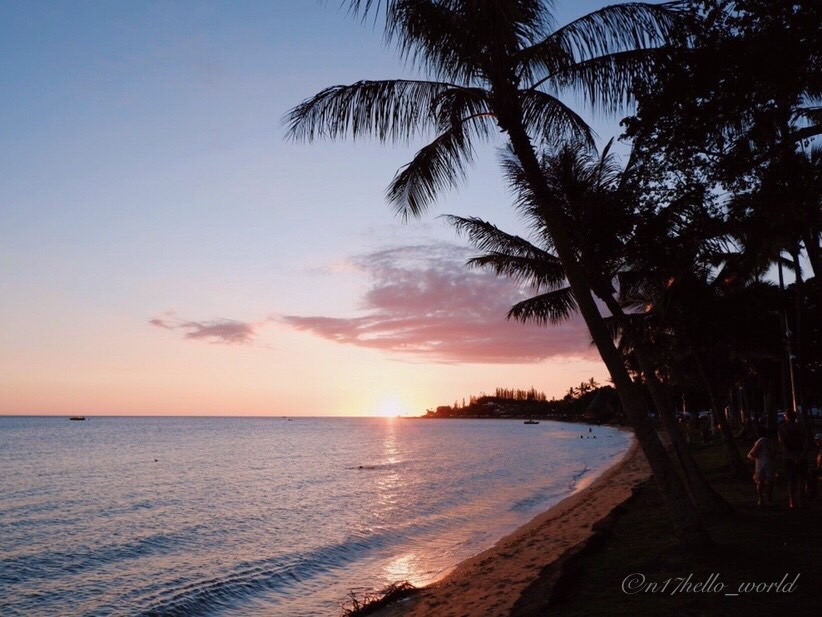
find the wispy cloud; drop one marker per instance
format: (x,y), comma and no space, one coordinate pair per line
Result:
(224,331)
(424,302)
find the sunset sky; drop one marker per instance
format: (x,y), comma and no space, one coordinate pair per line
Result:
(166,251)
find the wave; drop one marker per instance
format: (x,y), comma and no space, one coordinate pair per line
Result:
(549,493)
(540,497)
(48,565)
(248,579)
(576,476)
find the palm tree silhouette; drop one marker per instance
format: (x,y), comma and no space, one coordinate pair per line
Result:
(717,330)
(591,189)
(498,65)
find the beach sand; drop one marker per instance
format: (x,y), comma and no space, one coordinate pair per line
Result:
(515,576)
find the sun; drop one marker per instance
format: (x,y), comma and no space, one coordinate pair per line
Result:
(389,408)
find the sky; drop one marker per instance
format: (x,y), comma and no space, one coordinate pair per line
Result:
(164,250)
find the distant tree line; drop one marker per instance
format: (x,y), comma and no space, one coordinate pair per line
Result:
(519,403)
(520,395)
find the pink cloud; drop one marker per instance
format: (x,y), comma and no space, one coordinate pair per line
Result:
(424,302)
(225,331)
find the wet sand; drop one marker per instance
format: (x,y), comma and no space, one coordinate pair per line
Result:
(516,574)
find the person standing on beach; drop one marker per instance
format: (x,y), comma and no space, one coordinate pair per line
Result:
(794,448)
(763,453)
(813,480)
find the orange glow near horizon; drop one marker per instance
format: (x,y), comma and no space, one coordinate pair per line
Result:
(390,408)
(127,371)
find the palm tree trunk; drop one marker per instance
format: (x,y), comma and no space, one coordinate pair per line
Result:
(704,496)
(685,517)
(735,462)
(799,292)
(810,238)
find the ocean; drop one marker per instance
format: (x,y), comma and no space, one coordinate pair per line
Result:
(264,516)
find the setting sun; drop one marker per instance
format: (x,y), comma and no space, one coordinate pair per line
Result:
(390,408)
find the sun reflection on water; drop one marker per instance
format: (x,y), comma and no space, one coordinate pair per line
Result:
(389,484)
(408,567)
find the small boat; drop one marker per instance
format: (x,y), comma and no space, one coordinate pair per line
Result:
(531,422)
(77,418)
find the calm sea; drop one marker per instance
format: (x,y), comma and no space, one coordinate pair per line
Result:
(252,516)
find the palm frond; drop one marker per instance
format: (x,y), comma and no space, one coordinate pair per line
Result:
(614,325)
(579,180)
(485,236)
(436,37)
(390,110)
(364,8)
(607,170)
(552,307)
(508,255)
(537,273)
(441,164)
(811,113)
(638,289)
(552,121)
(525,202)
(607,83)
(627,329)
(613,29)
(469,107)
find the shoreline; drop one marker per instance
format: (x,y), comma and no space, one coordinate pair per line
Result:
(517,574)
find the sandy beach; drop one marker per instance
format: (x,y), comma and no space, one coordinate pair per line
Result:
(514,577)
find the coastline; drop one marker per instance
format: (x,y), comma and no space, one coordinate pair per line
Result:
(515,576)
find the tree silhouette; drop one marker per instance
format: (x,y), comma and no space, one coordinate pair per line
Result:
(595,199)
(497,65)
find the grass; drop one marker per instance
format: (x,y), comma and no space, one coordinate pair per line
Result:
(754,545)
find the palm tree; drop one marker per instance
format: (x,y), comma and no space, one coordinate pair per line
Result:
(781,215)
(591,189)
(498,65)
(705,304)
(727,112)
(681,319)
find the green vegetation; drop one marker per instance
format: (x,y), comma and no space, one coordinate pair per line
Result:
(754,545)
